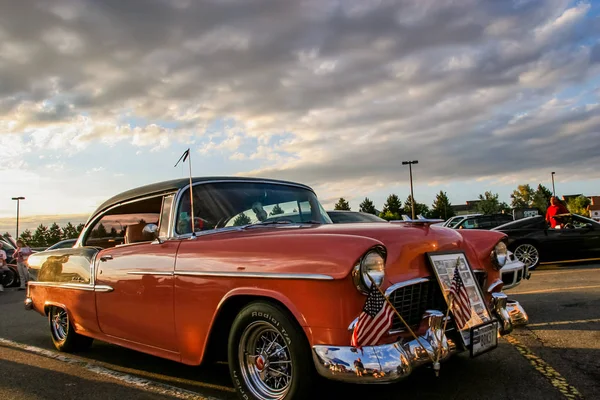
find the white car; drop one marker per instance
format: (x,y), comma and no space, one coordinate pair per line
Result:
(513,272)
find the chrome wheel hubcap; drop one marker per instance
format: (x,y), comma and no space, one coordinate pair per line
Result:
(265,361)
(60,324)
(527,254)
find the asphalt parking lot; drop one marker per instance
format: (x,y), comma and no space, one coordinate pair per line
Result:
(555,357)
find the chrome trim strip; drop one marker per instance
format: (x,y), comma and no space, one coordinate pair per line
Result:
(265,275)
(150,273)
(77,286)
(103,288)
(410,282)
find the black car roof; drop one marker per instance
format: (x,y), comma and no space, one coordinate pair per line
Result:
(176,184)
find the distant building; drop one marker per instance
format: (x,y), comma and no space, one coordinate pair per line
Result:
(470,207)
(594,208)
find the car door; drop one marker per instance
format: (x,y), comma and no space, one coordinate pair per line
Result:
(564,244)
(590,231)
(140,272)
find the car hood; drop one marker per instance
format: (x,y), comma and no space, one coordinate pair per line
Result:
(335,248)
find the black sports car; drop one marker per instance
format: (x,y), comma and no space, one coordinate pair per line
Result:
(533,242)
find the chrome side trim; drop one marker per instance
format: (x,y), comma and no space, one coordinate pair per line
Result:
(76,286)
(150,273)
(399,285)
(264,275)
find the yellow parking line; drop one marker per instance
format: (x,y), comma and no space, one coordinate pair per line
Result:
(578,321)
(546,370)
(558,289)
(569,271)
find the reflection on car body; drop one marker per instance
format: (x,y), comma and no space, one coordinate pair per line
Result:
(265,281)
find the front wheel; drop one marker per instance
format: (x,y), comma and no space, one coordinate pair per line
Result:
(269,357)
(63,335)
(528,254)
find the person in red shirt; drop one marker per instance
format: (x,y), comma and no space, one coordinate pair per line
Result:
(556,208)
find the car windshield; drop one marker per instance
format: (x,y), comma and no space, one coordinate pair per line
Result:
(350,217)
(524,223)
(226,204)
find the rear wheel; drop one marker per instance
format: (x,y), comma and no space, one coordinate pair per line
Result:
(63,335)
(528,254)
(269,357)
(9,279)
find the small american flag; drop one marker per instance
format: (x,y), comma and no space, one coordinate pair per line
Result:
(461,305)
(373,321)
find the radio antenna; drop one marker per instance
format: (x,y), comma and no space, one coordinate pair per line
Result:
(185,156)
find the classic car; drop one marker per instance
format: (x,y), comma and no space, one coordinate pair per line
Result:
(533,241)
(204,274)
(10,275)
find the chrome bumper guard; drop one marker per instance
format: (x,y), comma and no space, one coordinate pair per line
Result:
(509,312)
(385,363)
(391,362)
(28,303)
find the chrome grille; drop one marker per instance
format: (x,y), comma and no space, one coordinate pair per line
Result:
(412,301)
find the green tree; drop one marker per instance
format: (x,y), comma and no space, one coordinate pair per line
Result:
(367,206)
(392,208)
(541,198)
(79,229)
(420,208)
(342,204)
(276,210)
(69,231)
(241,220)
(579,205)
(26,237)
(40,236)
(522,197)
(55,234)
(100,231)
(441,207)
(488,203)
(113,232)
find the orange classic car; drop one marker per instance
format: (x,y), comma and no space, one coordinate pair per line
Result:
(252,271)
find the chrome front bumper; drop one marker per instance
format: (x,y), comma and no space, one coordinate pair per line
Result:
(392,362)
(388,362)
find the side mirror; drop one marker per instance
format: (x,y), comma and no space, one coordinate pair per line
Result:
(152,229)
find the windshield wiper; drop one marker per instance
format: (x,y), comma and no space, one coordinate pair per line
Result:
(281,222)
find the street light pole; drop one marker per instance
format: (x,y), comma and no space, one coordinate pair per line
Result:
(412,196)
(18,199)
(553,190)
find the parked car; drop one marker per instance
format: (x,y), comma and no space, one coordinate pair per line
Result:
(451,222)
(11,274)
(278,299)
(483,221)
(349,217)
(63,244)
(533,242)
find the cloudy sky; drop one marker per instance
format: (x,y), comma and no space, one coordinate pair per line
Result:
(100,96)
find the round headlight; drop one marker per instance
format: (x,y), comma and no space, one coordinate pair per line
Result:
(373,265)
(499,255)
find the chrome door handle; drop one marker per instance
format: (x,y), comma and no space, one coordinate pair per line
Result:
(106,258)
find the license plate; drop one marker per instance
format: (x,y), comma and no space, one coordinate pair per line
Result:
(484,338)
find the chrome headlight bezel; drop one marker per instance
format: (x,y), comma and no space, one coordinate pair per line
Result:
(373,262)
(499,255)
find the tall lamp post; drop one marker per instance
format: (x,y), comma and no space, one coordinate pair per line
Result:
(18,199)
(553,190)
(412,196)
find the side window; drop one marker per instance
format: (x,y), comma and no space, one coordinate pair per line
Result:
(124,224)
(485,222)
